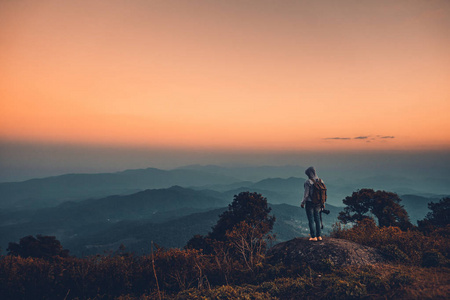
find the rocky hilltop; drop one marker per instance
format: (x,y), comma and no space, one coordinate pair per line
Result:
(333,251)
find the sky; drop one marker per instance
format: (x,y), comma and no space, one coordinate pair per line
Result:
(168,82)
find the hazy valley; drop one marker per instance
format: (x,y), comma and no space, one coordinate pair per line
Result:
(93,213)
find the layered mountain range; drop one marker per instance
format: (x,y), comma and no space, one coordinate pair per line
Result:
(92,213)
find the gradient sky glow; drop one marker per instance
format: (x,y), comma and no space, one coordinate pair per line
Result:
(214,74)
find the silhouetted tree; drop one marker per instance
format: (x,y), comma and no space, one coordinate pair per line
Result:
(198,242)
(41,247)
(439,217)
(247,207)
(383,205)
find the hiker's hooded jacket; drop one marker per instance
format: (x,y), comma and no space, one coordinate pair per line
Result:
(311,173)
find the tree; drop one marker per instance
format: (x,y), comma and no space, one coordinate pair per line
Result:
(439,217)
(199,241)
(249,242)
(41,247)
(383,205)
(249,207)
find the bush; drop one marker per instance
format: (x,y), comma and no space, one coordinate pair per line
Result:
(132,277)
(398,279)
(47,247)
(401,246)
(375,284)
(223,292)
(432,259)
(325,265)
(337,288)
(286,288)
(179,269)
(393,253)
(369,276)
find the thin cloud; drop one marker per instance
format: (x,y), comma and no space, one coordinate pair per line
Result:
(367,138)
(338,138)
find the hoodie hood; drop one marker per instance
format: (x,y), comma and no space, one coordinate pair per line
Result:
(311,173)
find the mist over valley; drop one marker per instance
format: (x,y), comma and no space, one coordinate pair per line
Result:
(93,213)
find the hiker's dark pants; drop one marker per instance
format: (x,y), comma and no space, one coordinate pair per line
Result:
(312,212)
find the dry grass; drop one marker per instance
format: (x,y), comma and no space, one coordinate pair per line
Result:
(427,283)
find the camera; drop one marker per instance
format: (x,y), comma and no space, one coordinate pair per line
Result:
(326,211)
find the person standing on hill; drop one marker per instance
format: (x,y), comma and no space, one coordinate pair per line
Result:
(314,199)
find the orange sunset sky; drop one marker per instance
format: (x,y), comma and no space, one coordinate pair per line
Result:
(250,74)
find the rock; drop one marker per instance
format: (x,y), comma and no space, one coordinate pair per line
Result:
(333,251)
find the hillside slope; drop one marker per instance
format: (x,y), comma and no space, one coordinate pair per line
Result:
(137,235)
(73,220)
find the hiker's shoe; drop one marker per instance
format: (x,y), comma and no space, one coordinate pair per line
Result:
(319,238)
(313,239)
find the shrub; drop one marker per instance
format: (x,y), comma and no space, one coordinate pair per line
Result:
(398,279)
(375,284)
(432,259)
(286,288)
(401,246)
(393,253)
(337,288)
(223,293)
(47,247)
(325,265)
(369,276)
(132,277)
(179,269)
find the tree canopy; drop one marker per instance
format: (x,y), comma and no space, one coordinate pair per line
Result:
(249,207)
(438,217)
(41,247)
(384,206)
(246,224)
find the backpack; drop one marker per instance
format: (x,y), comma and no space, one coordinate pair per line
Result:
(319,192)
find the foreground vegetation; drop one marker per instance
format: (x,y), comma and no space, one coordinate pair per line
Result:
(235,265)
(188,274)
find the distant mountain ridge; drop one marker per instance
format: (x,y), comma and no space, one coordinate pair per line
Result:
(51,191)
(249,173)
(283,184)
(343,181)
(168,217)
